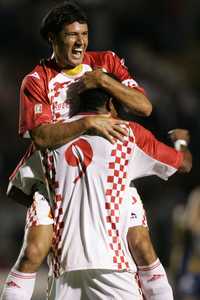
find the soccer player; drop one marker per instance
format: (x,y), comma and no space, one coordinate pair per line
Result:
(47,98)
(186,167)
(91,182)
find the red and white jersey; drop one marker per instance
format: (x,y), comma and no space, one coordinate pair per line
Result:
(48,94)
(92,205)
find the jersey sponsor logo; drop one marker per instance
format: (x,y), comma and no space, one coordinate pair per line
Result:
(38,108)
(79,154)
(35,75)
(60,106)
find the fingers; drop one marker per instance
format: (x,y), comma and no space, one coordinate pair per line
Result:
(112,135)
(114,131)
(179,134)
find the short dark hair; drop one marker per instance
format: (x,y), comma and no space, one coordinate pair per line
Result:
(92,99)
(64,13)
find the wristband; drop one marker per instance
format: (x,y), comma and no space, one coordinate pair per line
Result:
(178,143)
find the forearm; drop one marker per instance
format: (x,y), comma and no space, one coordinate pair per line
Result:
(57,134)
(134,100)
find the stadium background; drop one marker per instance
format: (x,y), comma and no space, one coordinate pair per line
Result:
(160,42)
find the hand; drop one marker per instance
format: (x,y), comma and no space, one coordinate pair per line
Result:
(179,134)
(90,80)
(108,127)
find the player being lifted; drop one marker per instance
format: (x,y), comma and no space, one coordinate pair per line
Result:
(48,98)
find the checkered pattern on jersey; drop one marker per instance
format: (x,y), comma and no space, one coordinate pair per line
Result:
(48,161)
(57,233)
(116,184)
(31,216)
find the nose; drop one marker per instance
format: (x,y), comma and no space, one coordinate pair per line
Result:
(79,39)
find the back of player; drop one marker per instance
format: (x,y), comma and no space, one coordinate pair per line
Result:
(92,214)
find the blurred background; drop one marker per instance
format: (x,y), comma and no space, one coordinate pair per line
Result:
(160,42)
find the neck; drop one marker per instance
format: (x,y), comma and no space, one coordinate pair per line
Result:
(97,111)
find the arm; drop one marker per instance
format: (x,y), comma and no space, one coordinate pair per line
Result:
(54,135)
(36,119)
(152,157)
(131,98)
(181,138)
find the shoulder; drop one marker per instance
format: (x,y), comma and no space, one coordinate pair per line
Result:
(40,74)
(34,76)
(99,58)
(139,130)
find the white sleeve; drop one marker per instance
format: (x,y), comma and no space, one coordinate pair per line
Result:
(142,165)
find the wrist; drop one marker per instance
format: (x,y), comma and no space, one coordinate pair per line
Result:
(178,144)
(87,123)
(104,80)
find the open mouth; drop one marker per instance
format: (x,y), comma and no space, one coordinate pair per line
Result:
(77,52)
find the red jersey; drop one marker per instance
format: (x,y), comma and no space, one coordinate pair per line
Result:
(48,93)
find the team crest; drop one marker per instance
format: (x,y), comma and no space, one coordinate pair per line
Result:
(38,108)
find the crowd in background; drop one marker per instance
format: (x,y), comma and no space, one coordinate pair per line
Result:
(160,42)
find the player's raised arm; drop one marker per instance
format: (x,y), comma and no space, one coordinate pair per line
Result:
(132,98)
(156,158)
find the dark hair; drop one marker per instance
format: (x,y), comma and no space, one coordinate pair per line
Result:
(65,13)
(92,99)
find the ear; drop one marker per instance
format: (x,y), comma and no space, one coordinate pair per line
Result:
(111,107)
(50,37)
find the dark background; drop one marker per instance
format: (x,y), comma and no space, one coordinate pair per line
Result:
(160,42)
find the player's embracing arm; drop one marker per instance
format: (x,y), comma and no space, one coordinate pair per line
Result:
(36,118)
(125,89)
(152,157)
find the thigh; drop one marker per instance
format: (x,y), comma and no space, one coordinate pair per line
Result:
(39,213)
(38,229)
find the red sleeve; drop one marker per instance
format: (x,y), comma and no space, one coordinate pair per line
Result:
(35,108)
(111,63)
(118,68)
(147,142)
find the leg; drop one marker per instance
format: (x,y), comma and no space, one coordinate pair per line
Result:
(153,278)
(37,243)
(140,246)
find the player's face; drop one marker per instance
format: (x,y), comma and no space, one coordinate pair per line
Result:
(70,45)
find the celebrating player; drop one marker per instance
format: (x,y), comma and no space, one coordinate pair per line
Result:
(91,182)
(48,97)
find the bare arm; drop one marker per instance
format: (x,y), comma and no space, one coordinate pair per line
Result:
(54,135)
(178,136)
(134,100)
